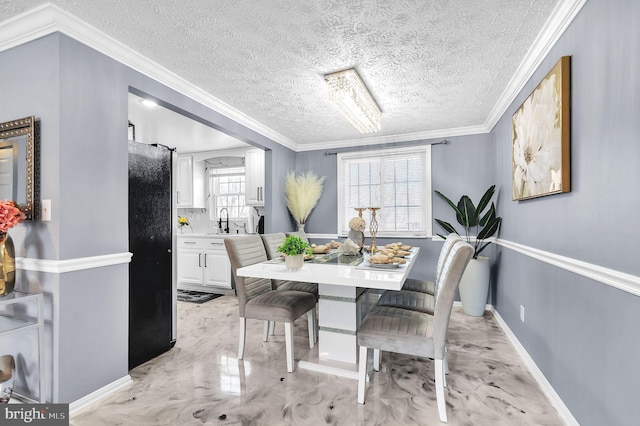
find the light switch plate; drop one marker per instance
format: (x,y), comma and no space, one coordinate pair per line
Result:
(46,210)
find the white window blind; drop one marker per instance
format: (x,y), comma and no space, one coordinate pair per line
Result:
(396,180)
(228,191)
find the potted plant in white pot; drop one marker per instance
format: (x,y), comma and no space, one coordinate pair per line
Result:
(294,249)
(474,285)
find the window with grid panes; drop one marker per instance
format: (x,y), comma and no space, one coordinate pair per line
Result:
(396,180)
(227,191)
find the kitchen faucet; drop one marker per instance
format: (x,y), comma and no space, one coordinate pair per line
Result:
(226,230)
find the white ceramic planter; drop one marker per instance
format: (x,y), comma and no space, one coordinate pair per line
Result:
(474,286)
(293,263)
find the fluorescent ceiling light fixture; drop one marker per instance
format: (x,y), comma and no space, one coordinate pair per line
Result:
(351,96)
(149,103)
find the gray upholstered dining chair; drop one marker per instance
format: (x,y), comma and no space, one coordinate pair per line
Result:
(416,333)
(271,243)
(426,286)
(423,296)
(300,234)
(257,299)
(417,295)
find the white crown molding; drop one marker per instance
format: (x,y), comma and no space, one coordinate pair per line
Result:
(537,374)
(70,265)
(620,280)
(403,137)
(85,402)
(563,14)
(48,19)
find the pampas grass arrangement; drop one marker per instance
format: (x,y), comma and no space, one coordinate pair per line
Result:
(302,191)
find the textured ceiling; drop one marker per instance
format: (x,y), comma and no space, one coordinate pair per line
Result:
(430,64)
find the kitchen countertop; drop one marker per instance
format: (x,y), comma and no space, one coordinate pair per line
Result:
(196,235)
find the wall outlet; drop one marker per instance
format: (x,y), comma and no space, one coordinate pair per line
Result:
(521,313)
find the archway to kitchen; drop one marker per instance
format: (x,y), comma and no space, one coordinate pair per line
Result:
(216,189)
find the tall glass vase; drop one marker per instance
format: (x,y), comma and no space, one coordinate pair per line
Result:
(7,264)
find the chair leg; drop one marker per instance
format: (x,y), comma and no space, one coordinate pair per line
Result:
(311,320)
(317,323)
(362,373)
(445,367)
(376,359)
(439,374)
(272,327)
(288,337)
(242,328)
(265,332)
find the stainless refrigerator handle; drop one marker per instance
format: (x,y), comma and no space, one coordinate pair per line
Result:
(199,263)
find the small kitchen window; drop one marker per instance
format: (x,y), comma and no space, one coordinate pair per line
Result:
(227,189)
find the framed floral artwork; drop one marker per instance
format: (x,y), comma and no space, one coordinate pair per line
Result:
(541,137)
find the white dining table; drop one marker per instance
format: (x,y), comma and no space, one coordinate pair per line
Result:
(342,302)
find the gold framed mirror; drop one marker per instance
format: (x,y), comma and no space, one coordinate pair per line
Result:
(18,144)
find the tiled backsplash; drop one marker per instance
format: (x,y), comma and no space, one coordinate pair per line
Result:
(201,224)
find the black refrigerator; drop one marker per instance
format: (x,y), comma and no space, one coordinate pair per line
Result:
(152,279)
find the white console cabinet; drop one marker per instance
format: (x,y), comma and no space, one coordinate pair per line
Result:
(203,264)
(11,323)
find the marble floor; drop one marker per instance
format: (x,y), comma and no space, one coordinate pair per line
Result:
(200,381)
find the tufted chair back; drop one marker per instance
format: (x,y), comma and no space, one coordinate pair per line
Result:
(272,242)
(452,271)
(245,251)
(449,242)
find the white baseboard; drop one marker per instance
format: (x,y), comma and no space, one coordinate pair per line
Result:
(76,406)
(544,384)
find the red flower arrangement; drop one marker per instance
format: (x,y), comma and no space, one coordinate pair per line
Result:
(10,216)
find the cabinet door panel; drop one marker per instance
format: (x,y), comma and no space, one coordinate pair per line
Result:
(217,271)
(190,266)
(254,177)
(185,181)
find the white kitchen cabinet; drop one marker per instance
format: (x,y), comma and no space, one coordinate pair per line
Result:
(190,261)
(254,177)
(217,268)
(203,265)
(191,183)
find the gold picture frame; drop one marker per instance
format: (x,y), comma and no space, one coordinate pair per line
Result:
(541,137)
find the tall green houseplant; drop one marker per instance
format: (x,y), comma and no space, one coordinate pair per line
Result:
(473,219)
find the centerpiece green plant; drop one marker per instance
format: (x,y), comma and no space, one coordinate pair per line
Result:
(294,245)
(472,218)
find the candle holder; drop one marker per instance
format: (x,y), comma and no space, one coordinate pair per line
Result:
(360,210)
(373,229)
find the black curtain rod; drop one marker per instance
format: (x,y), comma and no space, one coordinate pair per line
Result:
(442,142)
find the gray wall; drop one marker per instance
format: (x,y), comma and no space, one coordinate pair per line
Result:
(582,333)
(80,97)
(463,166)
